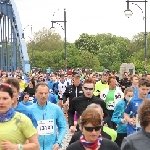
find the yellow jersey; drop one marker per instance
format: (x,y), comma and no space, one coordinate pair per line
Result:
(17,130)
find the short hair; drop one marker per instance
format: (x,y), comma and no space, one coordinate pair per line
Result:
(76,76)
(93,105)
(147,74)
(128,89)
(90,115)
(89,80)
(111,77)
(133,76)
(144,82)
(144,113)
(13,82)
(41,84)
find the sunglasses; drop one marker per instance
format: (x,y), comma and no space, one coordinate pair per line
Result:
(90,129)
(90,89)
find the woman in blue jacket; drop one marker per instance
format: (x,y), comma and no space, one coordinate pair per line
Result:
(118,115)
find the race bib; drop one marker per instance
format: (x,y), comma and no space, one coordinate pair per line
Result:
(110,105)
(137,121)
(31,99)
(45,127)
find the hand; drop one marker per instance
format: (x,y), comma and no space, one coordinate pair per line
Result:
(55,146)
(6,145)
(123,120)
(132,121)
(66,103)
(73,129)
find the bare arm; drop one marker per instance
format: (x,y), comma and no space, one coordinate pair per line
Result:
(32,144)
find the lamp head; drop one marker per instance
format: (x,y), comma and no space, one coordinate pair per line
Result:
(128,13)
(52,29)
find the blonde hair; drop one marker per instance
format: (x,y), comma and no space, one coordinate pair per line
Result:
(93,105)
(128,89)
(133,76)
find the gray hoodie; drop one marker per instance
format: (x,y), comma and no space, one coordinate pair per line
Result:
(137,141)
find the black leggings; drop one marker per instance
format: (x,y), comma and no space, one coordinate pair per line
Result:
(120,137)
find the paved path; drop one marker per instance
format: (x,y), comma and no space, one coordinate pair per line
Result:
(66,139)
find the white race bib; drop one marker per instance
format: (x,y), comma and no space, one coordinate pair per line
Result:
(137,121)
(110,105)
(45,127)
(31,99)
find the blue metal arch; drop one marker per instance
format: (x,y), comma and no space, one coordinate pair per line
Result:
(19,51)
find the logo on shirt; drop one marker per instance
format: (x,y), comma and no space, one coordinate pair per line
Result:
(136,104)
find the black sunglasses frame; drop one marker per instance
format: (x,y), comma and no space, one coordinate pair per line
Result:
(90,129)
(90,89)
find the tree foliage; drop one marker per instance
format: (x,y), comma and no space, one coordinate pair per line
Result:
(88,51)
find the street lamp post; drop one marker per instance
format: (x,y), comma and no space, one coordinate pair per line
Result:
(23,38)
(65,40)
(129,13)
(1,66)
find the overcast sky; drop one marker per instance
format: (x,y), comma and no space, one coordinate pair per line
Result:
(83,16)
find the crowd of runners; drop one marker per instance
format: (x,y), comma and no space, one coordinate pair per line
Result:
(101,111)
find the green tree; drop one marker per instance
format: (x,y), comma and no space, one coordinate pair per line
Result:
(46,40)
(87,42)
(137,42)
(90,61)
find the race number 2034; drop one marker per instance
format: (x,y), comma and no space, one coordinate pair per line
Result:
(46,127)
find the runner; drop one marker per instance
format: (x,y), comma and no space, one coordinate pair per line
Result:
(140,140)
(18,106)
(15,127)
(79,104)
(111,96)
(118,115)
(136,101)
(91,124)
(106,132)
(49,117)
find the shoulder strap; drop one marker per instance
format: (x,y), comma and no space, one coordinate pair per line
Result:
(129,101)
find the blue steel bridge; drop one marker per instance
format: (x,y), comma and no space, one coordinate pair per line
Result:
(13,50)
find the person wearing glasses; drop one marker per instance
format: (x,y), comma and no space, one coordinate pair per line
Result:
(15,127)
(91,139)
(25,100)
(106,132)
(79,104)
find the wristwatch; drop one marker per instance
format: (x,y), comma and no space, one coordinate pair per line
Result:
(20,147)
